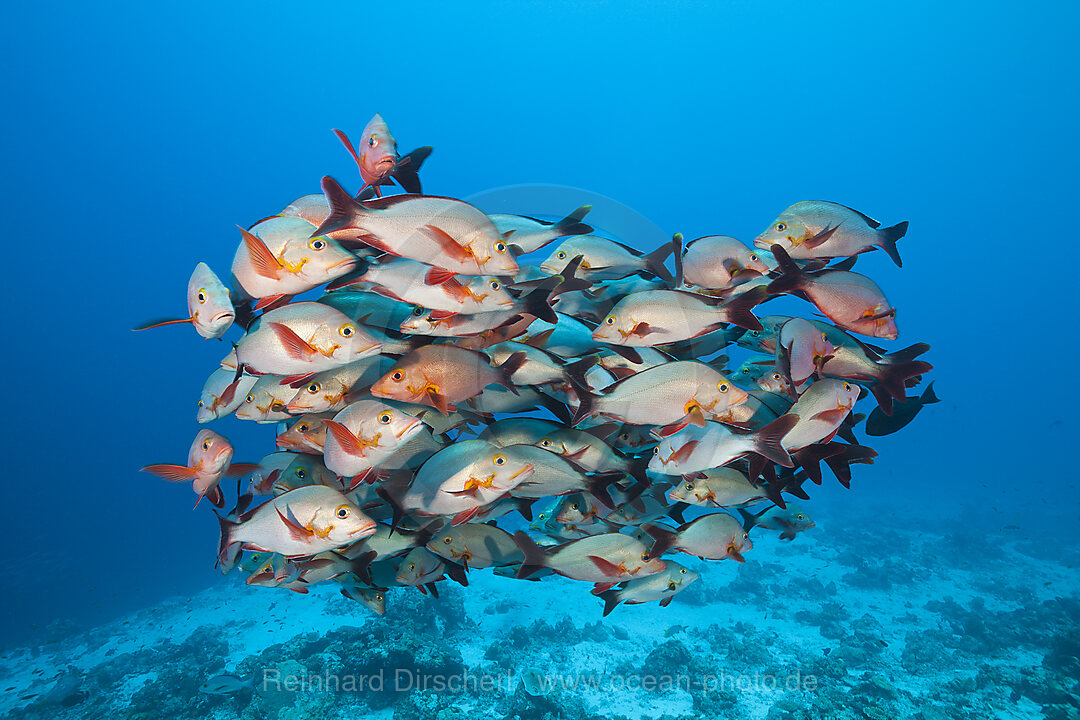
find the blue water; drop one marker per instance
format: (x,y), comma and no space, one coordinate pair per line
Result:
(139,135)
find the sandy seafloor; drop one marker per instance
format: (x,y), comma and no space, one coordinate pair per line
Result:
(889,619)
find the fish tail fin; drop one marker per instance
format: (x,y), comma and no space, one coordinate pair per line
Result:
(750,520)
(664,539)
(611,600)
(892,380)
(767,440)
(510,366)
(538,302)
(572,225)
(654,261)
(597,485)
(535,557)
(575,375)
(343,208)
(928,396)
(840,463)
(361,567)
(739,310)
(678,237)
(791,275)
(408,168)
(228,550)
(889,236)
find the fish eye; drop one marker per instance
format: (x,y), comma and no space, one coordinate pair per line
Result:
(610,320)
(317,243)
(397,375)
(682,571)
(249,399)
(541,516)
(500,247)
(255,557)
(302,427)
(800,516)
(412,566)
(746,371)
(671,585)
(645,557)
(656,450)
(300,473)
(343,512)
(624,436)
(206,445)
(689,486)
(379,596)
(781,227)
(386,417)
(418,311)
(201,295)
(200,404)
(847,386)
(495,285)
(372,141)
(545,443)
(500,459)
(448,539)
(776,376)
(574,506)
(346,330)
(824,336)
(755,333)
(722,387)
(745,536)
(561,255)
(753,258)
(313,388)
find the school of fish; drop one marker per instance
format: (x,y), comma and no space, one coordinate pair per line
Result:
(446,404)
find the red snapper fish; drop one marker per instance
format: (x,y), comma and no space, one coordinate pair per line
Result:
(281,257)
(716,262)
(210,308)
(439,231)
(816,229)
(303,338)
(208,463)
(301,522)
(378,160)
(852,301)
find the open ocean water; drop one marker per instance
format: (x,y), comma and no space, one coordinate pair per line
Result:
(941,584)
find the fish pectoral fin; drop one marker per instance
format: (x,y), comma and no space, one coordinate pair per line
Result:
(643,329)
(262,260)
(296,531)
(447,279)
(831,416)
(695,416)
(438,400)
(820,238)
(295,346)
(173,473)
(666,601)
(669,430)
(683,454)
(465,516)
(163,323)
(448,244)
(239,470)
(270,302)
(344,437)
(605,566)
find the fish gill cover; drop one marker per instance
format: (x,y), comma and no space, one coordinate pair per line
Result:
(451,403)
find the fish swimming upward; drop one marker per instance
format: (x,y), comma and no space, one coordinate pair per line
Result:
(445,402)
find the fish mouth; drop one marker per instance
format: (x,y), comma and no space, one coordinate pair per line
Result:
(350,261)
(369,527)
(409,427)
(224,315)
